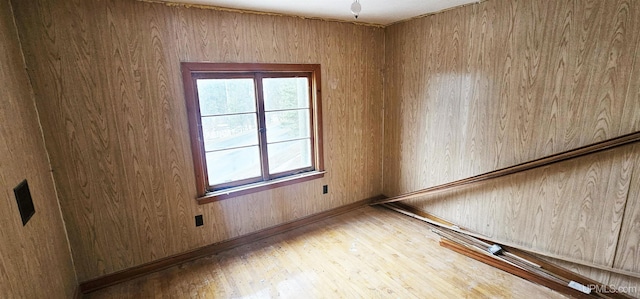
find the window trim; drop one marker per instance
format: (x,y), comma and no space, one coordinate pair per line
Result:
(194,70)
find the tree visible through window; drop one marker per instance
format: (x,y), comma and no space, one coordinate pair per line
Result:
(252,123)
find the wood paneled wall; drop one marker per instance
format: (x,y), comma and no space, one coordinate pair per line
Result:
(35,261)
(502,82)
(107,82)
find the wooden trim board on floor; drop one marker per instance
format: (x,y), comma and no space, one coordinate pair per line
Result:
(514,270)
(141,270)
(426,217)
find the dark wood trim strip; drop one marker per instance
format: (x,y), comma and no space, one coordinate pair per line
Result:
(193,116)
(529,264)
(261,186)
(504,266)
(316,111)
(544,161)
(430,219)
(137,271)
(262,127)
(565,273)
(196,67)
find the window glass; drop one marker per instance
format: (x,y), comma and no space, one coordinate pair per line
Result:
(226,96)
(233,165)
(287,125)
(289,155)
(229,131)
(285,93)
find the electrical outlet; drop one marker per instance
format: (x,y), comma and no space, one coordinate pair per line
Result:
(199,220)
(325,189)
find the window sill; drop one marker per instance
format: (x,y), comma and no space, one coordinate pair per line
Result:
(257,187)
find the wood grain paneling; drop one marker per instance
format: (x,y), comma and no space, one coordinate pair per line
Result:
(35,261)
(516,81)
(628,252)
(503,82)
(107,82)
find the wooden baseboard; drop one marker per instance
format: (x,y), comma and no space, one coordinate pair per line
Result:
(144,269)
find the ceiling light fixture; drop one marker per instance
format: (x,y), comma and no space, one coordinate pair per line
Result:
(356,8)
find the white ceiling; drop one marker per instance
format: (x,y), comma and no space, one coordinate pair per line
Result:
(381,12)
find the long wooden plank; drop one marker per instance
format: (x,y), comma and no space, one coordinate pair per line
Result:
(513,269)
(482,247)
(544,161)
(412,212)
(530,263)
(565,273)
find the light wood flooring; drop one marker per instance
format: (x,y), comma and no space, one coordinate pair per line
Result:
(366,253)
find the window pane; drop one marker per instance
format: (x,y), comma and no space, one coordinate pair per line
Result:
(285,93)
(229,131)
(232,165)
(226,96)
(287,125)
(289,155)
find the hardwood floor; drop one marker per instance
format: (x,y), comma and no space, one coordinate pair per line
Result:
(367,253)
